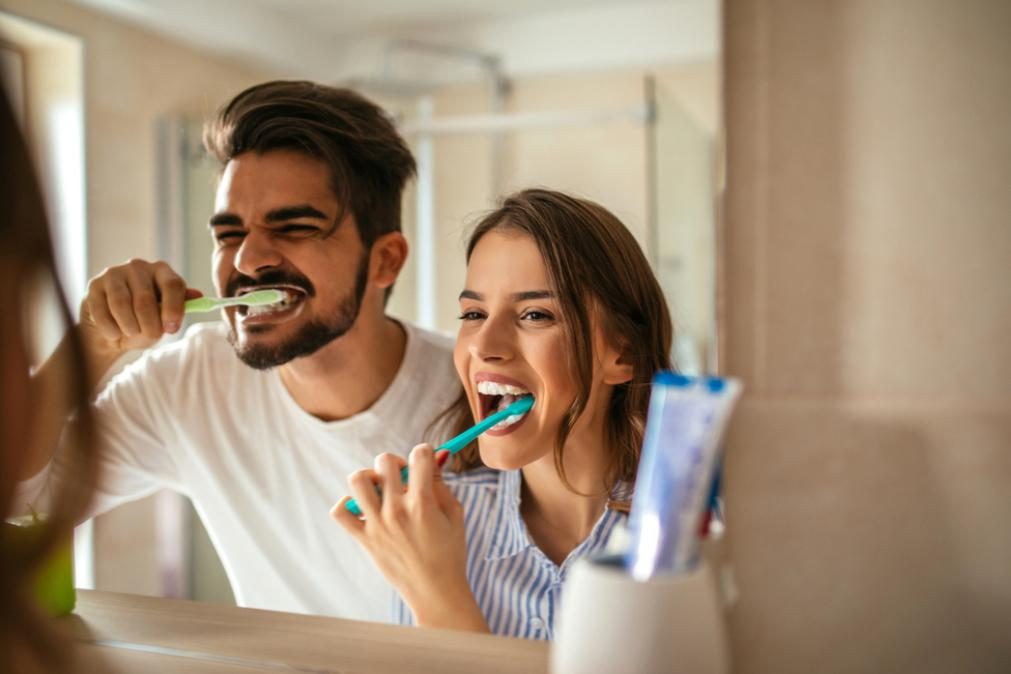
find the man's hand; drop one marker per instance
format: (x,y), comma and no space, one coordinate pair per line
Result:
(131,306)
(127,307)
(416,537)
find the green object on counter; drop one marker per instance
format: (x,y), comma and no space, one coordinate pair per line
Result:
(53,582)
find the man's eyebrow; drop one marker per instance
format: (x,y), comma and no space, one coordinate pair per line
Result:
(222,219)
(516,297)
(282,214)
(295,212)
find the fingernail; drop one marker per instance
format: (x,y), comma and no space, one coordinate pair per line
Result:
(171,326)
(442,456)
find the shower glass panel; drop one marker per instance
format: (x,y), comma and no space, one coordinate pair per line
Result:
(685,227)
(189,566)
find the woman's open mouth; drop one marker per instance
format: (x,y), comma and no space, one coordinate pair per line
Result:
(287,308)
(495,396)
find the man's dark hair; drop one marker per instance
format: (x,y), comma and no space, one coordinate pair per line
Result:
(368,160)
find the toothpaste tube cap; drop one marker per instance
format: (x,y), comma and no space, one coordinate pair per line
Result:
(711,384)
(672,379)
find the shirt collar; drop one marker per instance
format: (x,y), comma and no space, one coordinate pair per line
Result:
(623,491)
(509,535)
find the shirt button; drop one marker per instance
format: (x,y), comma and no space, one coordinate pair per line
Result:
(537,623)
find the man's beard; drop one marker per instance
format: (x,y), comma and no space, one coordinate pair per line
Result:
(312,336)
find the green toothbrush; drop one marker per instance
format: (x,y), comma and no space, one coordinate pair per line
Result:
(257,298)
(521,406)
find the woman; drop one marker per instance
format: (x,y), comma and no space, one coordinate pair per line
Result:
(561,304)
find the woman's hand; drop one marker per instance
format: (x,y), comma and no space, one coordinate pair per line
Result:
(416,537)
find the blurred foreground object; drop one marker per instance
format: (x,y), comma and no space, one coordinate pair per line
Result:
(35,570)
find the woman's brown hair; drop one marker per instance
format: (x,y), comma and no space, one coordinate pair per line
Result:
(598,272)
(27,265)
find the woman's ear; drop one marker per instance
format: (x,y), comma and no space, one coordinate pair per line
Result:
(389,253)
(616,366)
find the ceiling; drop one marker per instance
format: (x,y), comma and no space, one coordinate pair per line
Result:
(339,39)
(342,18)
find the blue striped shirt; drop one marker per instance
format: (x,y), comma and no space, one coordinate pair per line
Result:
(517,587)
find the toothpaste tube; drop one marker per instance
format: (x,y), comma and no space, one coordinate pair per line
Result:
(687,417)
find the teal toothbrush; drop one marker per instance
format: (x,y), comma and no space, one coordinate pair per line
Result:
(257,298)
(521,406)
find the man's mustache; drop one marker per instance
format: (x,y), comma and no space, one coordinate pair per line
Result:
(270,278)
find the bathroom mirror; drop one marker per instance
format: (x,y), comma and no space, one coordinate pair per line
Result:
(612,100)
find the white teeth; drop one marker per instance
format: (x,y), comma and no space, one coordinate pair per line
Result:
(508,394)
(493,388)
(289,298)
(507,422)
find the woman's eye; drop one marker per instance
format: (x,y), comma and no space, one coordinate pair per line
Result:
(537,316)
(471,316)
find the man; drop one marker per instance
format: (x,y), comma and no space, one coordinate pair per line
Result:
(308,203)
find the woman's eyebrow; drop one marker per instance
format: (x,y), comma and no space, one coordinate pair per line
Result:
(515,297)
(532,295)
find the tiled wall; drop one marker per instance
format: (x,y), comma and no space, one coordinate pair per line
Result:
(866,277)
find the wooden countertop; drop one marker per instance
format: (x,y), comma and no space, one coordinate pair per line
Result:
(130,633)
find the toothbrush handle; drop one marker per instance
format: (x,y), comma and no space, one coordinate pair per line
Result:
(454,445)
(352,505)
(200,305)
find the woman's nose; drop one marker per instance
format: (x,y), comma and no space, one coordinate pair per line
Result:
(255,254)
(493,342)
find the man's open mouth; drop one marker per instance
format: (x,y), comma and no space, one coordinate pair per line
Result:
(495,396)
(293,298)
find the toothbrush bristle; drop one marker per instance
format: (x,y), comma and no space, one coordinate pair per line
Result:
(259,298)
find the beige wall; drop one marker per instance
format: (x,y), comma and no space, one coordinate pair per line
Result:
(131,77)
(868,308)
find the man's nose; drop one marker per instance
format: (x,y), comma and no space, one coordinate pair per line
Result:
(256,254)
(494,342)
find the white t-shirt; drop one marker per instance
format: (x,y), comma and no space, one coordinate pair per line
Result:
(261,471)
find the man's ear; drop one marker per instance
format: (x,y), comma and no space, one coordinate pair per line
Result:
(389,253)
